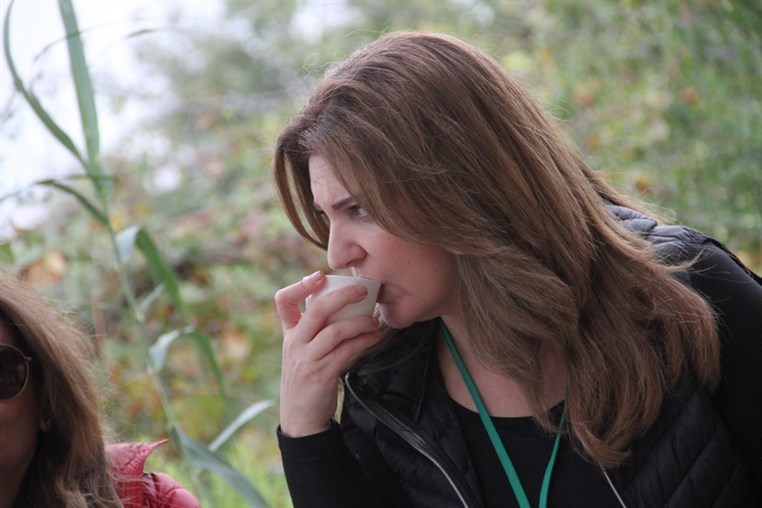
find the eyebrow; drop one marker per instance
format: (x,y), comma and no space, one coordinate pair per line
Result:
(338,205)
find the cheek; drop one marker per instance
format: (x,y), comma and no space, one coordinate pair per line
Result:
(19,426)
(436,272)
(422,300)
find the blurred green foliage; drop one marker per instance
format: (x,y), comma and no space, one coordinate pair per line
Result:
(663,97)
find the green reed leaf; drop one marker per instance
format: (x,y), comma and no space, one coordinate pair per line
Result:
(158,352)
(85,96)
(125,243)
(203,458)
(204,346)
(31,98)
(93,210)
(242,419)
(163,275)
(161,272)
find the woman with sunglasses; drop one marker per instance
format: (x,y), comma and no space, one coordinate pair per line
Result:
(538,342)
(52,450)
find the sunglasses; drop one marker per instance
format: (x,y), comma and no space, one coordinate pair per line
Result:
(14,372)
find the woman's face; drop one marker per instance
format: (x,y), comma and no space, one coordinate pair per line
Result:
(20,421)
(418,281)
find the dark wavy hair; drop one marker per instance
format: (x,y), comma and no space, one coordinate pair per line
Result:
(442,146)
(69,467)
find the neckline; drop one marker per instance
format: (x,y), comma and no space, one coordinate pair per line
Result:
(518,422)
(497,442)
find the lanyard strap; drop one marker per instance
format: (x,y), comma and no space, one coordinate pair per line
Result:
(505,460)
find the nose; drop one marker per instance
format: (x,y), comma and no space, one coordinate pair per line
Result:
(343,249)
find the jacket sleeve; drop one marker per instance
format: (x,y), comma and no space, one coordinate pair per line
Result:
(138,489)
(736,296)
(321,472)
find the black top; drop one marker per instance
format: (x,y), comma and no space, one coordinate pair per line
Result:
(529,447)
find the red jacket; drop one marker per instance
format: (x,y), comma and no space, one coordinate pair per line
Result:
(138,489)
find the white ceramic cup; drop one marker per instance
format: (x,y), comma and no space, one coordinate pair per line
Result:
(364,307)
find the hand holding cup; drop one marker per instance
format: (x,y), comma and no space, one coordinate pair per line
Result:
(320,343)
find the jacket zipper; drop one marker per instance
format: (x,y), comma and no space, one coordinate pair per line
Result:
(613,488)
(415,440)
(429,451)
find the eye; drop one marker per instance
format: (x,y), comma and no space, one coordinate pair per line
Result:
(359,212)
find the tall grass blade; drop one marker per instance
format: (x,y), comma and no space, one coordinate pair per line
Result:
(205,459)
(137,33)
(158,352)
(26,188)
(204,345)
(242,419)
(150,299)
(83,86)
(161,272)
(93,210)
(125,243)
(31,98)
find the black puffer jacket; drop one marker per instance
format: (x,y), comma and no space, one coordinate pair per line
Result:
(403,444)
(687,460)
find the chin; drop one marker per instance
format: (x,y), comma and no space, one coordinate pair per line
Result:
(393,319)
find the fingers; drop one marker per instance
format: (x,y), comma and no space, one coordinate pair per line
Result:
(289,299)
(341,357)
(315,353)
(345,338)
(321,309)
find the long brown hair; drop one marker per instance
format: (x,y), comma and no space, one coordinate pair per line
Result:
(442,146)
(69,467)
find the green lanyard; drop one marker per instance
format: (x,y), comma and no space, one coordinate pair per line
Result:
(502,454)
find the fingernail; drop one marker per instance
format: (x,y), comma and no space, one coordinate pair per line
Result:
(312,277)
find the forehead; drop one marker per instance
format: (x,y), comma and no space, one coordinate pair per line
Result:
(326,188)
